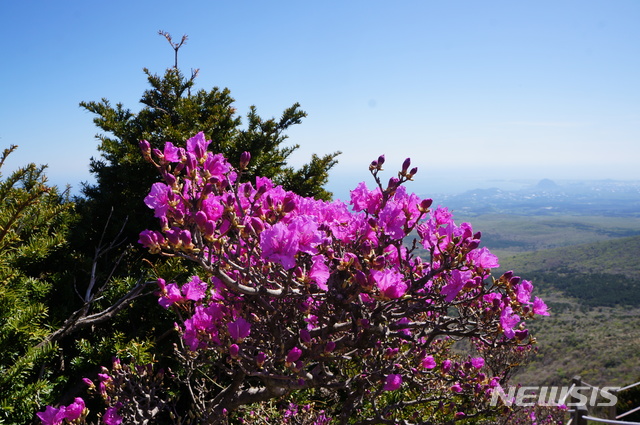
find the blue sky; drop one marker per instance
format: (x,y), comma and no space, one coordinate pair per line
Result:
(470,90)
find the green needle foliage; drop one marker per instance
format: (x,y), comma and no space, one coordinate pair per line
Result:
(33,229)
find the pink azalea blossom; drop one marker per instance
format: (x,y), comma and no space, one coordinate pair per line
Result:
(455,284)
(539,307)
(52,415)
(446,366)
(75,409)
(392,220)
(428,362)
(364,199)
(158,199)
(308,236)
(170,295)
(523,292)
(195,289)
(484,258)
(477,362)
(279,244)
(393,382)
(239,329)
(111,416)
(198,145)
(319,272)
(508,320)
(172,153)
(390,283)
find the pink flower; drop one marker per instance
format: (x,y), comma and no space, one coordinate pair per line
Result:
(198,145)
(307,232)
(539,307)
(455,284)
(111,416)
(477,362)
(194,289)
(279,244)
(158,199)
(52,415)
(446,366)
(390,283)
(200,325)
(293,355)
(523,292)
(75,409)
(428,362)
(392,220)
(508,320)
(239,329)
(456,388)
(393,382)
(171,153)
(364,199)
(218,167)
(170,295)
(483,258)
(319,272)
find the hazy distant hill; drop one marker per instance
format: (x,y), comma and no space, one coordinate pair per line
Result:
(604,198)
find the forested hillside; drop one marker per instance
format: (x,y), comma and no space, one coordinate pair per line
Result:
(593,291)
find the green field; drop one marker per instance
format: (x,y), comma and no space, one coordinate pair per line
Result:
(588,271)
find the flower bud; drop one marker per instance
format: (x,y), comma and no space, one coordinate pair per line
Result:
(329,346)
(145,147)
(293,355)
(185,238)
(473,244)
(234,351)
(289,204)
(260,359)
(360,278)
(201,219)
(379,262)
(245,157)
(89,383)
(425,204)
(170,179)
(305,336)
(257,225)
(405,165)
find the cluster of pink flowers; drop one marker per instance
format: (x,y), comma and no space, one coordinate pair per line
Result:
(298,293)
(256,239)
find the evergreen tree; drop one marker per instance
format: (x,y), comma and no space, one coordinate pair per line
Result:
(172,113)
(102,261)
(33,229)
